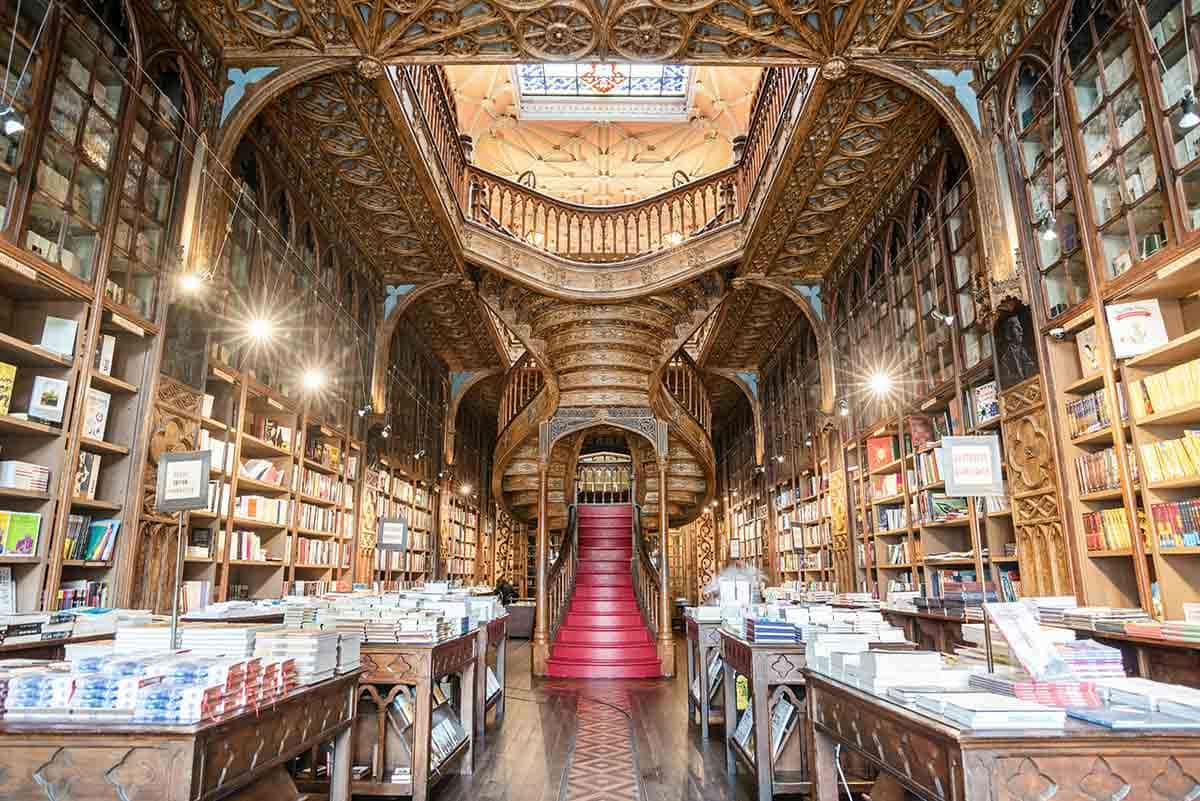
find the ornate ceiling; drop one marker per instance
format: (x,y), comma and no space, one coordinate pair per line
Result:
(747,327)
(458,328)
(689,31)
(602,162)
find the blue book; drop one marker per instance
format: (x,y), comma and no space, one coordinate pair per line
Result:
(1128,717)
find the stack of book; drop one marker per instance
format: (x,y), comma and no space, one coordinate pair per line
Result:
(1088,659)
(1088,617)
(1067,693)
(879,671)
(1166,390)
(1177,523)
(90,540)
(143,639)
(349,653)
(218,641)
(1181,630)
(315,652)
(991,711)
(762,630)
(1172,459)
(1051,609)
(24,476)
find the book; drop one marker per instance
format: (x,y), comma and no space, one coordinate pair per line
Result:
(8,376)
(21,531)
(27,476)
(95,417)
(58,335)
(986,404)
(881,451)
(1128,717)
(102,536)
(48,401)
(921,432)
(199,544)
(991,711)
(104,353)
(8,591)
(1089,351)
(781,719)
(1135,326)
(87,475)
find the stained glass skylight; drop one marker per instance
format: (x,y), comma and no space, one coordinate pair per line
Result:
(603,80)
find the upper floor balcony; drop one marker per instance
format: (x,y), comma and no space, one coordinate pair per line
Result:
(615,235)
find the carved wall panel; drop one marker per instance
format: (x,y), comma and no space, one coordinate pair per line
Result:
(839,518)
(1110,775)
(706,552)
(1036,505)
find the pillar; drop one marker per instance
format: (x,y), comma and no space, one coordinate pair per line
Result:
(666,639)
(541,626)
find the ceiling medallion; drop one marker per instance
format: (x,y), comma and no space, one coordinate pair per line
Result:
(835,69)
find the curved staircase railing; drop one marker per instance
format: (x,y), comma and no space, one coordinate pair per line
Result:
(646,584)
(524,381)
(560,580)
(682,379)
(602,234)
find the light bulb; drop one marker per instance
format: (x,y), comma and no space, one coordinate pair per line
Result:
(13,126)
(1190,118)
(260,329)
(673,238)
(844,407)
(313,378)
(1047,229)
(386,431)
(191,282)
(881,383)
(465,489)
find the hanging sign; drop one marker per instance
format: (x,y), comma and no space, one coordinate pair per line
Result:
(973,466)
(183,481)
(393,534)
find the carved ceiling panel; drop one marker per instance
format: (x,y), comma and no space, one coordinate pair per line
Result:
(691,31)
(748,327)
(725,397)
(864,134)
(340,128)
(457,328)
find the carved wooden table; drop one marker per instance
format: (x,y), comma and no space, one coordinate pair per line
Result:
(765,666)
(703,646)
(492,635)
(390,670)
(134,762)
(936,761)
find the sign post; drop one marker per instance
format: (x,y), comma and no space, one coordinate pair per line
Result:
(182,486)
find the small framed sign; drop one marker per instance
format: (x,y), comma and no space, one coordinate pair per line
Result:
(183,481)
(973,466)
(393,534)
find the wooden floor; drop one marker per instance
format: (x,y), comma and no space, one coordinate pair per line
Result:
(590,740)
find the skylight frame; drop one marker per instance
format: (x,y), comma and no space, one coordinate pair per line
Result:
(621,105)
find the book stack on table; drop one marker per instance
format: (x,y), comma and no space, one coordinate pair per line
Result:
(762,630)
(1088,659)
(217,641)
(879,671)
(349,652)
(991,711)
(1102,618)
(1062,694)
(315,653)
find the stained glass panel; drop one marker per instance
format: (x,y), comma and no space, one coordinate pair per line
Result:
(603,80)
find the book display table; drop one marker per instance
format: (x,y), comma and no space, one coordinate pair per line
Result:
(404,718)
(46,649)
(238,757)
(493,635)
(703,648)
(936,761)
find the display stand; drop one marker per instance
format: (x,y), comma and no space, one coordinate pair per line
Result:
(937,761)
(492,635)
(703,646)
(410,673)
(242,756)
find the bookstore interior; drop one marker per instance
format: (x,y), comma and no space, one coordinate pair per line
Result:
(423,399)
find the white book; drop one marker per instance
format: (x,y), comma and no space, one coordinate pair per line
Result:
(95,419)
(991,711)
(8,591)
(885,663)
(58,335)
(104,353)
(48,400)
(745,726)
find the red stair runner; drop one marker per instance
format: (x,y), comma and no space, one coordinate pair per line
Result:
(603,636)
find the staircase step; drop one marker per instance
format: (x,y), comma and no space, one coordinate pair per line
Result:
(621,543)
(604,653)
(590,553)
(629,635)
(589,620)
(628,607)
(583,669)
(585,593)
(622,579)
(591,511)
(611,568)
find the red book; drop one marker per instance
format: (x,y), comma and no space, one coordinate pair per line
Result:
(881,451)
(921,430)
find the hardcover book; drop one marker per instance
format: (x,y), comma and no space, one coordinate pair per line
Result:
(987,405)
(58,335)
(8,375)
(1089,353)
(881,451)
(104,353)
(1136,326)
(95,418)
(87,477)
(48,400)
(21,530)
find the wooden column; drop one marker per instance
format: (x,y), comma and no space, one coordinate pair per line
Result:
(666,640)
(541,630)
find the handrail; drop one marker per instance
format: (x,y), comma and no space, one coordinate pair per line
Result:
(646,584)
(560,581)
(601,234)
(523,382)
(682,379)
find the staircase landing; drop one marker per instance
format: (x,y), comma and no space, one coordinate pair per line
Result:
(602,635)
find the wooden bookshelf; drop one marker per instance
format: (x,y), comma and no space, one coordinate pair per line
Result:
(392,492)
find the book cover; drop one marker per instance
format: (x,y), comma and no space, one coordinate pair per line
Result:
(101,536)
(1089,353)
(58,335)
(104,353)
(8,376)
(87,476)
(48,401)
(921,429)
(880,451)
(95,417)
(8,591)
(21,537)
(1136,326)
(987,404)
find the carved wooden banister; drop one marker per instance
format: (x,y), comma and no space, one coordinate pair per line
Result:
(646,584)
(603,234)
(523,382)
(682,380)
(560,581)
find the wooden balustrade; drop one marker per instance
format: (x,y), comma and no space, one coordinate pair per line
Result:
(646,584)
(560,581)
(603,234)
(682,379)
(525,380)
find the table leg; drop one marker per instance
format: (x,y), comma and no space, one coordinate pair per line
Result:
(730,680)
(469,713)
(762,737)
(479,688)
(501,655)
(422,727)
(702,659)
(823,756)
(691,677)
(339,780)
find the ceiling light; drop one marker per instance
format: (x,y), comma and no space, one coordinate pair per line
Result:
(313,378)
(260,329)
(13,126)
(673,238)
(191,282)
(1046,228)
(465,489)
(881,383)
(1190,118)
(844,407)
(386,431)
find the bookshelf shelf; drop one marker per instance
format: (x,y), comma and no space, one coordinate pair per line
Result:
(83,563)
(113,384)
(96,505)
(1085,385)
(1102,495)
(102,446)
(23,354)
(258,563)
(888,499)
(251,485)
(892,467)
(1109,554)
(9,559)
(1183,550)
(1187,414)
(1175,484)
(1180,349)
(257,448)
(1101,436)
(15,425)
(320,468)
(28,495)
(314,500)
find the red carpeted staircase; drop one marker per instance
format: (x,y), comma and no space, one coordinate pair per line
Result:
(602,635)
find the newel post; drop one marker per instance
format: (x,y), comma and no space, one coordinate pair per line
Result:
(541,631)
(666,639)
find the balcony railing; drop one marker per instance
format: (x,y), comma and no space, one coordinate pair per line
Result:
(602,233)
(682,380)
(524,381)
